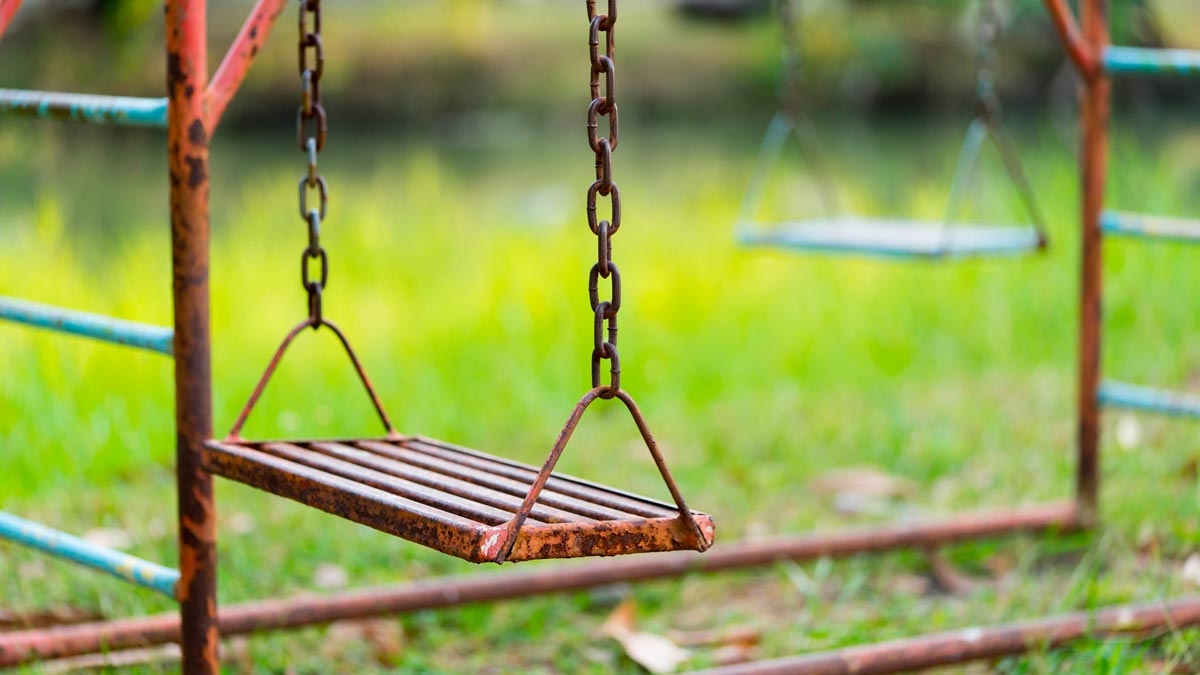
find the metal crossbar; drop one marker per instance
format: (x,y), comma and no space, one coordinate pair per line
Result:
(1127,224)
(1149,399)
(117,110)
(81,552)
(1143,61)
(86,324)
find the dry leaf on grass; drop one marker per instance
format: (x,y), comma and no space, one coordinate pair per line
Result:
(119,660)
(1190,572)
(109,537)
(862,490)
(328,575)
(385,638)
(655,653)
(41,618)
(948,577)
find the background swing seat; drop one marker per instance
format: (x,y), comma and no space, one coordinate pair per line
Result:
(455,500)
(895,237)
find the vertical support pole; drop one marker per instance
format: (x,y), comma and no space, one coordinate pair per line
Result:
(187,143)
(1094,158)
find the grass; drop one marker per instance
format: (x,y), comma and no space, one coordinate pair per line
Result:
(459,270)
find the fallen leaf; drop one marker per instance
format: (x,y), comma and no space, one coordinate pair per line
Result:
(728,655)
(41,618)
(328,575)
(108,537)
(948,577)
(655,653)
(1129,432)
(387,640)
(743,635)
(864,481)
(119,659)
(1190,572)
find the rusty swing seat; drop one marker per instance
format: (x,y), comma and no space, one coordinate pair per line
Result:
(460,502)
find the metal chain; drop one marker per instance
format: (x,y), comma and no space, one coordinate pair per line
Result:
(991,24)
(604,104)
(790,57)
(311,128)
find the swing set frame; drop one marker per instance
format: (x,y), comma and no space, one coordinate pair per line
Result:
(191,112)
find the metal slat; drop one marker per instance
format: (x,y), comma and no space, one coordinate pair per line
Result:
(1124,223)
(438,499)
(432,479)
(446,532)
(117,110)
(1149,399)
(1143,61)
(566,485)
(516,488)
(73,549)
(95,326)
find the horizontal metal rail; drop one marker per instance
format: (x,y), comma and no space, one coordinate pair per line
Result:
(73,549)
(25,646)
(975,644)
(95,326)
(1124,223)
(1143,61)
(1149,399)
(117,110)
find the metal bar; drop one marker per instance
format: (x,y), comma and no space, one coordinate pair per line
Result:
(95,326)
(7,9)
(73,549)
(25,646)
(974,644)
(187,163)
(1093,158)
(1144,61)
(228,78)
(1149,399)
(1078,49)
(124,111)
(1124,223)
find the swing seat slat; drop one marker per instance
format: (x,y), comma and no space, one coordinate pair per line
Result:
(455,500)
(894,238)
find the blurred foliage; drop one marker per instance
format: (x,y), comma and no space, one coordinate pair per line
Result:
(425,59)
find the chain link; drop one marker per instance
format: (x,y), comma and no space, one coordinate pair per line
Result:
(602,84)
(990,26)
(311,128)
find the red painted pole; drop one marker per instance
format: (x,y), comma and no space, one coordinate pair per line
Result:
(1086,59)
(1093,157)
(187,144)
(7,9)
(240,57)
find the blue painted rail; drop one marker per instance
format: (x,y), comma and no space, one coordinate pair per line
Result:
(1128,224)
(73,549)
(1142,61)
(1149,399)
(95,326)
(118,110)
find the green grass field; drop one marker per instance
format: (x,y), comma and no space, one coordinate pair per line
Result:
(459,268)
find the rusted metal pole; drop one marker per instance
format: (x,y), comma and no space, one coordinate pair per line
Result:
(1081,52)
(187,143)
(7,9)
(974,644)
(1093,157)
(240,57)
(25,646)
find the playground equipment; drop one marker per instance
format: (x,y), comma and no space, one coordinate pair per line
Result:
(193,110)
(898,238)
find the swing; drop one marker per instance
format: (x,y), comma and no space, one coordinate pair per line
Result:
(838,232)
(458,501)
